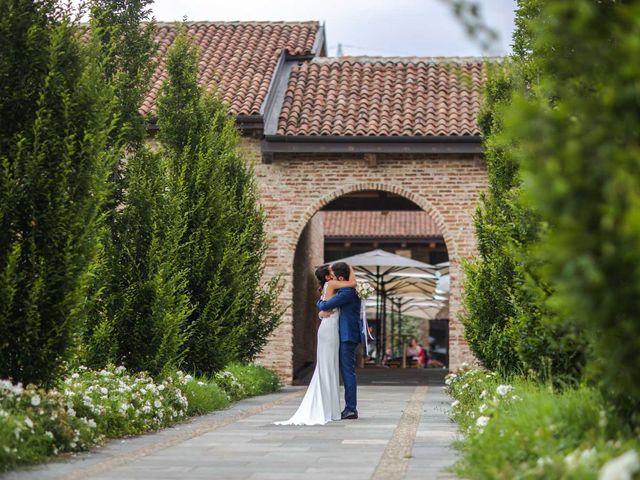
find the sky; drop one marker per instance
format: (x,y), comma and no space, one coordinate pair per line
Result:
(363,27)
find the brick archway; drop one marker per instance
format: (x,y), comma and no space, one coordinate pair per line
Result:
(294,187)
(423,203)
(309,253)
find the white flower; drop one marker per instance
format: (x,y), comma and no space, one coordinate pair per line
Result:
(104,391)
(188,378)
(143,391)
(92,423)
(483,394)
(516,397)
(124,407)
(11,388)
(200,383)
(621,468)
(542,461)
(75,375)
(571,460)
(35,400)
(587,455)
(146,408)
(455,403)
(482,421)
(502,390)
(71,412)
(482,407)
(157,404)
(49,434)
(120,369)
(28,422)
(363,289)
(161,387)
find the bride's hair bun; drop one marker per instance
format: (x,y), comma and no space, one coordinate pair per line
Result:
(321,274)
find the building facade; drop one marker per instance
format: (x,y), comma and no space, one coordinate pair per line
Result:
(319,129)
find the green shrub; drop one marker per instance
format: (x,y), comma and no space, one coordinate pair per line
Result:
(230,384)
(528,430)
(204,395)
(255,379)
(36,423)
(121,403)
(91,405)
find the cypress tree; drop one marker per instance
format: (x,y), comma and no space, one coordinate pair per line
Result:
(578,145)
(124,31)
(141,301)
(55,122)
(146,294)
(224,242)
(510,322)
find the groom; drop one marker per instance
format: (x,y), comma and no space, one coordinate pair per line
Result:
(348,302)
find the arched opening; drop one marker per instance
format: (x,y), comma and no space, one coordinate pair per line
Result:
(354,222)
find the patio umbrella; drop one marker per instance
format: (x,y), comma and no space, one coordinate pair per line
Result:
(423,299)
(391,273)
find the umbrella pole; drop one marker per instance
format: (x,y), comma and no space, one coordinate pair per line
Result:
(398,328)
(391,325)
(380,352)
(384,316)
(394,327)
(403,347)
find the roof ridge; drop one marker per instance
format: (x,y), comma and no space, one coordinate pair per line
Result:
(408,59)
(239,22)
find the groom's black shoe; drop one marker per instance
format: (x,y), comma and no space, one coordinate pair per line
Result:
(349,415)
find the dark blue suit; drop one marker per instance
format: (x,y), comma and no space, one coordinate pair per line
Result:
(348,302)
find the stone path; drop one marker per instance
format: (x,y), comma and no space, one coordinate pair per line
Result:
(403,432)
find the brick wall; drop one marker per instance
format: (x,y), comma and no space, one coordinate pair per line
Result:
(294,188)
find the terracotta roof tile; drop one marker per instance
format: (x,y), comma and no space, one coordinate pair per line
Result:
(237,57)
(383,96)
(415,224)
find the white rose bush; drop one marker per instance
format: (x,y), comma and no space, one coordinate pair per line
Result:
(90,406)
(523,429)
(122,403)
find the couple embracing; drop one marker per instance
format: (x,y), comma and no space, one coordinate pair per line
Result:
(339,334)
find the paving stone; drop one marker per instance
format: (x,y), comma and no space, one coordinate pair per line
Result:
(252,448)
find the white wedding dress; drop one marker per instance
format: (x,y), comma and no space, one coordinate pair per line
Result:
(321,403)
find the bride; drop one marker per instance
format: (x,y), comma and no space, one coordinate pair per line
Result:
(321,402)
